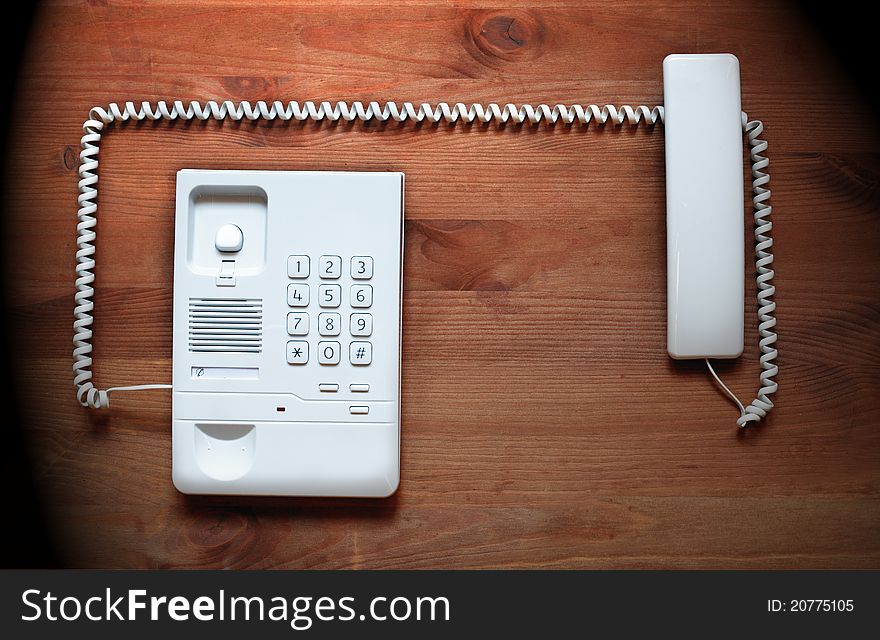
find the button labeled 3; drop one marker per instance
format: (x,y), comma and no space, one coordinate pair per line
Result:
(361,267)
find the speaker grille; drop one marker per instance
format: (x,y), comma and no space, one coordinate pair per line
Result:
(226,325)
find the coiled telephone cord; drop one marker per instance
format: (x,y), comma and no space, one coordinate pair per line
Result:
(99,118)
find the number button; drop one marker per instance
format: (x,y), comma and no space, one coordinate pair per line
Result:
(329,323)
(298,324)
(298,295)
(297,352)
(328,352)
(331,267)
(361,267)
(298,266)
(361,295)
(361,324)
(360,353)
(329,295)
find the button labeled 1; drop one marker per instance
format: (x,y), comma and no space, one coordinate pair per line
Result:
(297,266)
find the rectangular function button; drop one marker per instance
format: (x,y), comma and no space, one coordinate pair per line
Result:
(359,388)
(361,410)
(329,387)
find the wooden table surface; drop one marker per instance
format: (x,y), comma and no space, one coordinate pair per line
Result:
(543,423)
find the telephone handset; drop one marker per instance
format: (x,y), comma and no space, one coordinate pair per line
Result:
(287,285)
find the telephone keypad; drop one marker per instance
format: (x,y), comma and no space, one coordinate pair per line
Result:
(330,323)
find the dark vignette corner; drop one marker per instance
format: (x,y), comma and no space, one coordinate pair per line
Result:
(25,538)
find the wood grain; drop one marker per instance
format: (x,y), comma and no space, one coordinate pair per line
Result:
(543,424)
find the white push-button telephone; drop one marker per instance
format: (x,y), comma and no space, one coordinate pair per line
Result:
(287,285)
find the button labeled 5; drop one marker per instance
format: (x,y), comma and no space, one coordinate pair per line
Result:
(329,295)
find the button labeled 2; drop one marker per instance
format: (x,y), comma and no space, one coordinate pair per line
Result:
(330,267)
